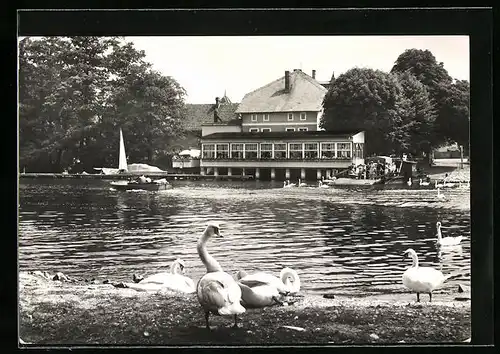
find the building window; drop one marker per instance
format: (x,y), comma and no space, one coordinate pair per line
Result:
(254,130)
(303,116)
(236,151)
(265,117)
(290,116)
(344,150)
(266,150)
(302,129)
(290,129)
(280,151)
(358,150)
(327,150)
(265,130)
(250,151)
(208,151)
(253,117)
(311,150)
(295,150)
(222,151)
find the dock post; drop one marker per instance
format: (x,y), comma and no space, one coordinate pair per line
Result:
(318,174)
(243,172)
(302,173)
(229,171)
(202,171)
(257,173)
(287,173)
(273,174)
(216,171)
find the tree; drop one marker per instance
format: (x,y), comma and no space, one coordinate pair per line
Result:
(373,101)
(74,94)
(455,114)
(449,100)
(420,111)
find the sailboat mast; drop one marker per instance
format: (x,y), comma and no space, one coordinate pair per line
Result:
(122,159)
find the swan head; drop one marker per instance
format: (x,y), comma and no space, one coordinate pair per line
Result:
(291,279)
(438,224)
(241,274)
(178,264)
(411,253)
(213,229)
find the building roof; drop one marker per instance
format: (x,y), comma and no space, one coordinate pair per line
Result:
(306,94)
(198,114)
(283,135)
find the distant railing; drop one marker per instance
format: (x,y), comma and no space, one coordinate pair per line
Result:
(278,159)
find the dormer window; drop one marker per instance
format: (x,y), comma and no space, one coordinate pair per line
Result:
(253,117)
(265,117)
(303,116)
(290,116)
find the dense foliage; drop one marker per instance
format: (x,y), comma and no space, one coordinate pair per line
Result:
(415,108)
(74,95)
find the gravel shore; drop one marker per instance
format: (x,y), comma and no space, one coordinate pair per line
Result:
(55,312)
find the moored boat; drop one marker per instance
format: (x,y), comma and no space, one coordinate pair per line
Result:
(138,184)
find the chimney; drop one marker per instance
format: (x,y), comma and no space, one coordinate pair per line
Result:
(314,74)
(216,110)
(287,81)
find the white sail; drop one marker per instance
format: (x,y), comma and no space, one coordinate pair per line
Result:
(122,162)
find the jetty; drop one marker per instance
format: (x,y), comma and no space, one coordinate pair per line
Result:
(126,176)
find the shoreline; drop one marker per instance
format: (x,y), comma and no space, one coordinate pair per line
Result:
(55,312)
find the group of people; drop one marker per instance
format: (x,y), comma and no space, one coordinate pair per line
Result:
(372,170)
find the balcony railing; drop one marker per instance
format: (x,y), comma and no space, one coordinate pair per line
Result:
(279,159)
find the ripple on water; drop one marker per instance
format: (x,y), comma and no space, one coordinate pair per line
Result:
(340,240)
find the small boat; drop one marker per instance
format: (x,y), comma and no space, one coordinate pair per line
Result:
(141,182)
(150,185)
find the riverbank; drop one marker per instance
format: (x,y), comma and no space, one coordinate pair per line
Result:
(80,313)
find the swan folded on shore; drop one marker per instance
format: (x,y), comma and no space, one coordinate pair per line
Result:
(446,241)
(287,283)
(259,295)
(217,291)
(172,280)
(421,279)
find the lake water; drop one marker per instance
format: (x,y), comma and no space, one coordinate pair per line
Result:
(340,240)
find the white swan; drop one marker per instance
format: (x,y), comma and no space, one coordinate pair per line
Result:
(440,196)
(217,291)
(287,184)
(259,295)
(172,280)
(423,183)
(287,283)
(302,184)
(446,241)
(409,182)
(421,279)
(322,185)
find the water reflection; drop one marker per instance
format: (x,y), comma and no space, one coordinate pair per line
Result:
(336,239)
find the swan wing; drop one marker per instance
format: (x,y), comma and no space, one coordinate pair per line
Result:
(218,292)
(145,287)
(159,278)
(252,283)
(423,279)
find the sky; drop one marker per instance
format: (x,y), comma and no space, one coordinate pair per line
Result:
(209,66)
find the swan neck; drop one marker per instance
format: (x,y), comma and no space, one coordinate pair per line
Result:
(439,232)
(210,263)
(415,260)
